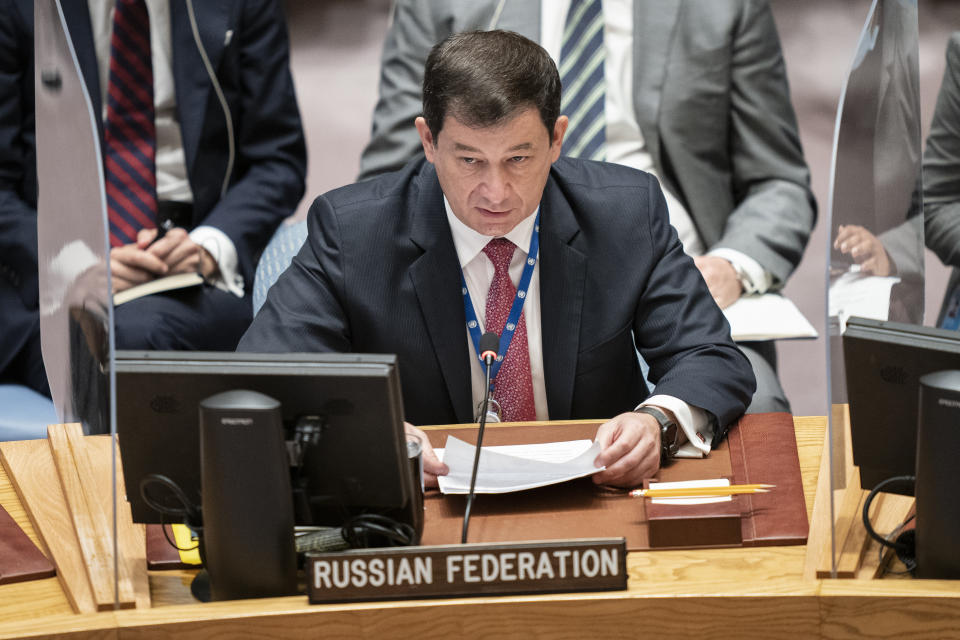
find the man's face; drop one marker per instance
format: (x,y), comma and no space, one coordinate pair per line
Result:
(493,177)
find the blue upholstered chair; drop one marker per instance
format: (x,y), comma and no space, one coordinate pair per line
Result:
(24,413)
(284,244)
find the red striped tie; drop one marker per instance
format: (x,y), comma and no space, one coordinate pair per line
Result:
(514,384)
(129,135)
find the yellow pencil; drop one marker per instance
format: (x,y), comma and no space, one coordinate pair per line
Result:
(698,492)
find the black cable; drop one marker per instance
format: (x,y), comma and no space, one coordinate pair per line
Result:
(187,511)
(910,539)
(359,532)
(173,543)
(900,547)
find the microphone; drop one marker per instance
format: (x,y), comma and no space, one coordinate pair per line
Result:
(489,344)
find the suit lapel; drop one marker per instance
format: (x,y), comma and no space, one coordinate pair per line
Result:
(653,27)
(562,278)
(77,16)
(435,279)
(192,83)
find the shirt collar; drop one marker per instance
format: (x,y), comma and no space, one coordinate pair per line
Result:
(470,243)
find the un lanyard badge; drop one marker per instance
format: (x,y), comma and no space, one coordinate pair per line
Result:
(473,324)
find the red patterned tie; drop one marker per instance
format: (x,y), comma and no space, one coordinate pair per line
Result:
(129,135)
(514,384)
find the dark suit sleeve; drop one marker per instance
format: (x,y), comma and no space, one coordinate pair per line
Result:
(304,309)
(393,139)
(270,161)
(18,215)
(682,334)
(775,210)
(941,165)
(19,313)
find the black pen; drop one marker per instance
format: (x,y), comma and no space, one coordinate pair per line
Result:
(162,229)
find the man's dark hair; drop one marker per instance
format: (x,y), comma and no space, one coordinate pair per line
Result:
(483,78)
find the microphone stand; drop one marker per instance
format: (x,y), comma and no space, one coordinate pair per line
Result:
(488,363)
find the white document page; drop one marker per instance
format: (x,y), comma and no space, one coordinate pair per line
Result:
(768,316)
(516,467)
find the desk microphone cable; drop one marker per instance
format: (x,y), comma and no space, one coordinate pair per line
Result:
(489,343)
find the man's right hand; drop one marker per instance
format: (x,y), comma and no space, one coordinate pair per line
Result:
(432,467)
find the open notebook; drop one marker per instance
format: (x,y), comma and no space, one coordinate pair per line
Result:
(167,283)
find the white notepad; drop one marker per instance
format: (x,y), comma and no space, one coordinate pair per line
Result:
(769,316)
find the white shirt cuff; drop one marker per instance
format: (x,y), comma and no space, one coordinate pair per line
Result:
(694,422)
(224,253)
(756,279)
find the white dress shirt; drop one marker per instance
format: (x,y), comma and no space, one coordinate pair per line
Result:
(624,139)
(478,274)
(173,183)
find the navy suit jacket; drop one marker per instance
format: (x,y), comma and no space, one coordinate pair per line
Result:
(251,66)
(379,273)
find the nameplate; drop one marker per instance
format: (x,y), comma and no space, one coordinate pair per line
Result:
(593,564)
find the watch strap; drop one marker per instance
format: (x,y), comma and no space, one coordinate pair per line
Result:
(668,443)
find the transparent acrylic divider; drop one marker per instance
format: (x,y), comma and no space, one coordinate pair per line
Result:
(875,213)
(76,313)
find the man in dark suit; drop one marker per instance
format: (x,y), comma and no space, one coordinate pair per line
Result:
(230,165)
(695,92)
(403,263)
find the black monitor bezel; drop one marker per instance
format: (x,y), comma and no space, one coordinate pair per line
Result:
(884,361)
(165,438)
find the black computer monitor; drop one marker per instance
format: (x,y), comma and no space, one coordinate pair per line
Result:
(359,464)
(884,362)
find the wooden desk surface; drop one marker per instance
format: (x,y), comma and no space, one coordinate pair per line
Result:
(709,593)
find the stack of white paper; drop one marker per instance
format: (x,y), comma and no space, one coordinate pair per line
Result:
(516,467)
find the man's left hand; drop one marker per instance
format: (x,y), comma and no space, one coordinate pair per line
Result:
(630,450)
(721,279)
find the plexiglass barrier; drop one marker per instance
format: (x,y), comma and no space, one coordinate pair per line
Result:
(875,253)
(75,301)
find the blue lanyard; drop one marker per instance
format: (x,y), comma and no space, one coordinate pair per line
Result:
(473,325)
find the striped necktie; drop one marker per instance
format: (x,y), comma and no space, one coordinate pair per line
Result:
(130,139)
(581,73)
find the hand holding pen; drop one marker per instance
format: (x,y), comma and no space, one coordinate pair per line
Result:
(162,228)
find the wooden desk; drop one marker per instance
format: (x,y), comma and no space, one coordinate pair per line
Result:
(710,593)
